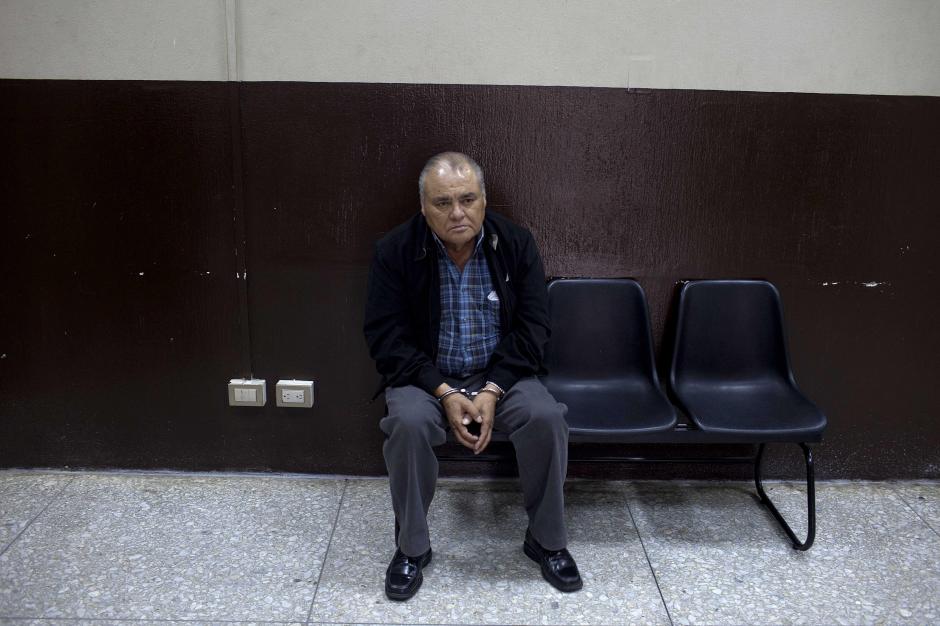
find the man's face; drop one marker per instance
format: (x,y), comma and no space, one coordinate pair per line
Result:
(453,205)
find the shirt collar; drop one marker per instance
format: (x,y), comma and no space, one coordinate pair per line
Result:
(476,248)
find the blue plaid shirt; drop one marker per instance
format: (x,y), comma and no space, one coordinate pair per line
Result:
(469,314)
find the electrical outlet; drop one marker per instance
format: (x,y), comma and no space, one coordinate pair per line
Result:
(292,396)
(294,393)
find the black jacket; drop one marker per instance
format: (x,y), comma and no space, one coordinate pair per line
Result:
(403,307)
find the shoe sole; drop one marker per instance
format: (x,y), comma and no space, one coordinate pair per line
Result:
(532,554)
(398,597)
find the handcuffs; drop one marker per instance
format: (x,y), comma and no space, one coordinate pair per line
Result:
(471,394)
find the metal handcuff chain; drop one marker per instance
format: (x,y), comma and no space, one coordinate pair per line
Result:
(469,394)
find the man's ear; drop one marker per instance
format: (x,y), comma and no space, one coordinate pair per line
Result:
(422,209)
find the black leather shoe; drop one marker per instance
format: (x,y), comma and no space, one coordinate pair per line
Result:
(403,576)
(558,566)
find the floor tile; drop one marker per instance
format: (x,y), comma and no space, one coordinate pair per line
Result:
(173,547)
(479,573)
(720,558)
(22,496)
(114,622)
(924,498)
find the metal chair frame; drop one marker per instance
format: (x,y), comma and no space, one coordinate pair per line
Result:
(756,460)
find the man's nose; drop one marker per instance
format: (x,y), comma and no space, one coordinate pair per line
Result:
(456,211)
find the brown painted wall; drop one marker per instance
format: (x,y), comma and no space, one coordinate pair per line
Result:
(192,183)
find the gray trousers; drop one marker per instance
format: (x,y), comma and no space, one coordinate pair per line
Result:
(537,429)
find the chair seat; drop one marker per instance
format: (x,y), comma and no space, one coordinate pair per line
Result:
(612,409)
(766,409)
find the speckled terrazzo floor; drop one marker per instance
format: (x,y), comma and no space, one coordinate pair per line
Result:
(138,548)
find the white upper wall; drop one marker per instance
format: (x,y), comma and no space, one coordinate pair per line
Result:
(113,39)
(828,46)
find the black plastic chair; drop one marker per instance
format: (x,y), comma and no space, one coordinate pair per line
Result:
(600,361)
(731,374)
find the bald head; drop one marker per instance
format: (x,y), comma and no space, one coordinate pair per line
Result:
(456,162)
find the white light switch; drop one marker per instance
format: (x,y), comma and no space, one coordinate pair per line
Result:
(246,392)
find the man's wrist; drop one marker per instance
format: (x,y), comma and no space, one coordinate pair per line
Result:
(450,392)
(444,390)
(488,392)
(494,389)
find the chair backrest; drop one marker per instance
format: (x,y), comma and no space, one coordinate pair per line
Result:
(600,330)
(729,330)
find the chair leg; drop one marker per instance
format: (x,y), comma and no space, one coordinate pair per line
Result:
(810,499)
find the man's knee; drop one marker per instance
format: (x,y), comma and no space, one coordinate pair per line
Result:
(546,415)
(412,413)
(538,410)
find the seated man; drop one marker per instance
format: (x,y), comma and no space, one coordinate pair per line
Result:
(457,321)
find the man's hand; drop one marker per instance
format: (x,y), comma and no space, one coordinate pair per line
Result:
(485,404)
(460,411)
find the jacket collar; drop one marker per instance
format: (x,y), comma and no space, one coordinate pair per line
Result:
(425,237)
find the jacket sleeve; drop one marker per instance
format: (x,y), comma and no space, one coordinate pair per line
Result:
(521,350)
(389,334)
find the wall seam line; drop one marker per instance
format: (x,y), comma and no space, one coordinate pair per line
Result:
(230,10)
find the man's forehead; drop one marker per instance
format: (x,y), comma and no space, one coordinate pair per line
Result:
(445,177)
(458,169)
(449,190)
